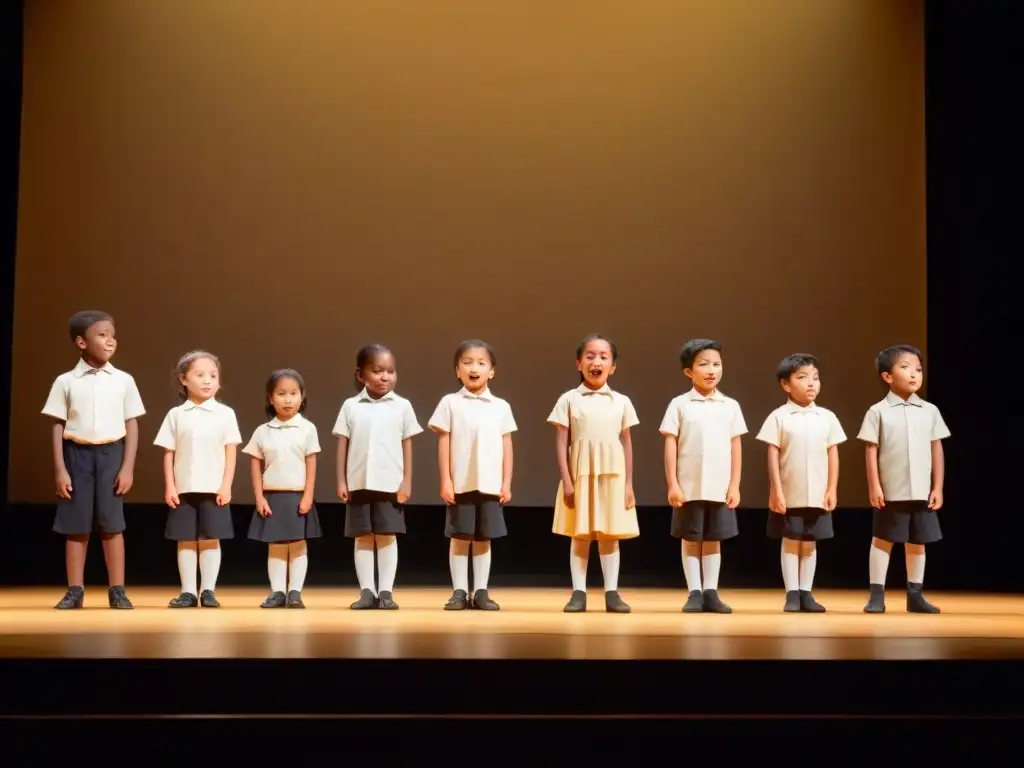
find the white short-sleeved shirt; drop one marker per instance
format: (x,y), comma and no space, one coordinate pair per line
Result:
(94,403)
(477,425)
(904,431)
(375,430)
(609,401)
(803,436)
(704,428)
(283,447)
(198,433)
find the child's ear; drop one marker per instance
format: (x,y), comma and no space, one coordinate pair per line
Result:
(490,374)
(80,343)
(688,372)
(785,386)
(887,378)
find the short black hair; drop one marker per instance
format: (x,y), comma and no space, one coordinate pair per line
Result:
(694,347)
(595,337)
(794,363)
(81,322)
(364,357)
(885,361)
(469,344)
(275,377)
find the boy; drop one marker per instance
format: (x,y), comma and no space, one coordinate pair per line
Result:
(905,468)
(803,473)
(95,436)
(702,430)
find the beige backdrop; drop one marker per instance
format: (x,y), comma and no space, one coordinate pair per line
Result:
(283,182)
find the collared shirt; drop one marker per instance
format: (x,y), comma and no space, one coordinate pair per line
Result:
(283,447)
(198,433)
(803,436)
(704,428)
(477,425)
(94,403)
(904,431)
(375,430)
(616,410)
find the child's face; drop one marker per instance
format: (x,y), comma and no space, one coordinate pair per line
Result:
(596,363)
(907,375)
(202,380)
(803,386)
(706,373)
(99,343)
(378,375)
(475,369)
(286,398)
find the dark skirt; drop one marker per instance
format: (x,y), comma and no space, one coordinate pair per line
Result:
(906,522)
(477,516)
(369,512)
(704,521)
(93,506)
(801,524)
(198,518)
(285,523)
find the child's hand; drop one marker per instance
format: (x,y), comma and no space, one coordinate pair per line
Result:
(171,497)
(447,492)
(569,493)
(404,493)
(732,497)
(776,501)
(675,496)
(935,500)
(343,492)
(830,501)
(876,497)
(506,494)
(224,496)
(630,498)
(305,504)
(123,482)
(63,482)
(263,507)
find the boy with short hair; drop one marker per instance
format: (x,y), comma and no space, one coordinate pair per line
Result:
(95,437)
(905,469)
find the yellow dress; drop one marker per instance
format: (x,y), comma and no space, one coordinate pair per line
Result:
(597,463)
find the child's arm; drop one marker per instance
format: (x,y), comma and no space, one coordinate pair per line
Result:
(507,461)
(60,471)
(230,458)
(405,491)
(732,497)
(125,478)
(938,475)
(562,457)
(256,473)
(342,468)
(627,451)
(832,490)
(776,499)
(444,467)
(306,503)
(170,491)
(875,495)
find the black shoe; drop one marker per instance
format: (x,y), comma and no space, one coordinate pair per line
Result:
(459,601)
(808,604)
(275,600)
(792,601)
(73,598)
(116,598)
(613,603)
(483,602)
(366,601)
(386,601)
(713,603)
(916,602)
(876,603)
(208,600)
(695,602)
(184,600)
(295,599)
(577,603)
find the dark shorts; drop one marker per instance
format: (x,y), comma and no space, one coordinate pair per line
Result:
(198,518)
(802,524)
(93,506)
(370,512)
(285,523)
(704,521)
(906,522)
(477,516)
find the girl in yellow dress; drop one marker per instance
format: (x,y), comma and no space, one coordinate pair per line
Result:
(595,459)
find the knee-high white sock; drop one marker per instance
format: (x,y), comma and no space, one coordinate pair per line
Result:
(363,556)
(387,561)
(298,563)
(458,562)
(878,562)
(209,563)
(808,562)
(277,567)
(481,564)
(691,565)
(188,561)
(579,558)
(712,562)
(915,564)
(610,559)
(790,565)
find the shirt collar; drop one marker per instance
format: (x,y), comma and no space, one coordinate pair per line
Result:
(207,405)
(485,395)
(83,368)
(792,407)
(893,399)
(693,394)
(585,390)
(294,421)
(366,397)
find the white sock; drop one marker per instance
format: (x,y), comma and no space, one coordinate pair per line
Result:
(579,558)
(363,556)
(188,561)
(277,567)
(481,564)
(209,563)
(387,561)
(790,565)
(298,563)
(808,562)
(878,561)
(458,562)
(691,565)
(915,565)
(712,562)
(610,559)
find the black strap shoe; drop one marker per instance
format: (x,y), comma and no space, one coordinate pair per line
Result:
(695,602)
(295,599)
(792,601)
(73,599)
(483,602)
(366,601)
(386,602)
(713,603)
(208,600)
(577,603)
(184,600)
(808,604)
(275,600)
(459,601)
(116,598)
(613,603)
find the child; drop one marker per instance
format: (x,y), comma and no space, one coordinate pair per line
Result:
(905,467)
(595,459)
(375,430)
(474,450)
(200,438)
(283,475)
(703,455)
(803,473)
(94,437)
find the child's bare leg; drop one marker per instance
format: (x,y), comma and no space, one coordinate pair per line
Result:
(113,553)
(75,549)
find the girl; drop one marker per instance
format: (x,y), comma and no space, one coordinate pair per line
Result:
(283,475)
(375,430)
(474,451)
(595,459)
(200,439)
